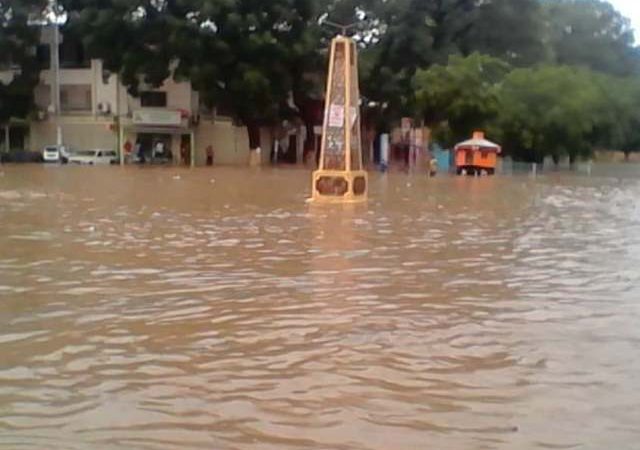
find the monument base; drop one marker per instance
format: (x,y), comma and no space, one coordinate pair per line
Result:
(333,186)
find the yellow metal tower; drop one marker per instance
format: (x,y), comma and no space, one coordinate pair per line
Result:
(340,177)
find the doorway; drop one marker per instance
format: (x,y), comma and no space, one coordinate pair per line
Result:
(185,150)
(155,148)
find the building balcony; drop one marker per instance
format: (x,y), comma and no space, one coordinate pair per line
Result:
(161,117)
(69,76)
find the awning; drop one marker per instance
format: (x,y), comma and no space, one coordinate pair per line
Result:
(157,129)
(479,143)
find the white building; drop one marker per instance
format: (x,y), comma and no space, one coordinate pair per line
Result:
(97,112)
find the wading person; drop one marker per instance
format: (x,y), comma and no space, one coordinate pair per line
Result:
(140,152)
(210,156)
(158,150)
(184,154)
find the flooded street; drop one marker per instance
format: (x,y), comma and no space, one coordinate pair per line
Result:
(215,309)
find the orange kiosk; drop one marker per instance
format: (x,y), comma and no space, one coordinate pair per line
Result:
(477,156)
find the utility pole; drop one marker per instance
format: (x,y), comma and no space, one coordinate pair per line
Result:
(117,117)
(7,138)
(343,28)
(56,73)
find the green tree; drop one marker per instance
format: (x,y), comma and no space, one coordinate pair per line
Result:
(416,35)
(18,38)
(265,61)
(591,33)
(619,118)
(245,57)
(628,118)
(237,53)
(461,96)
(550,111)
(138,39)
(419,33)
(511,30)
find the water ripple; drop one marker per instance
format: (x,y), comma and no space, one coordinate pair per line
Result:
(235,316)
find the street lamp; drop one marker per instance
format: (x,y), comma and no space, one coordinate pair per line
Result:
(56,72)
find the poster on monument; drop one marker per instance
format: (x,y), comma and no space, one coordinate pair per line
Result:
(336,116)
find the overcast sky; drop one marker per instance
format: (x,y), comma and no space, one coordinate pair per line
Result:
(631,9)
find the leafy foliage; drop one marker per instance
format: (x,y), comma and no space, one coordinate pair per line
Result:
(139,39)
(592,34)
(552,111)
(510,30)
(462,94)
(446,61)
(17,40)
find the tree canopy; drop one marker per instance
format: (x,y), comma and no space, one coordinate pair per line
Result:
(446,61)
(591,34)
(461,94)
(550,110)
(17,56)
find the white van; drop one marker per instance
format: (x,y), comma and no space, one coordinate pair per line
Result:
(94,157)
(55,154)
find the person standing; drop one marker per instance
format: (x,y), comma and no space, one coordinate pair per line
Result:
(433,166)
(209,155)
(139,152)
(158,150)
(184,154)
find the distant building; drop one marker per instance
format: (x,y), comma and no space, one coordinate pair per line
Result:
(97,112)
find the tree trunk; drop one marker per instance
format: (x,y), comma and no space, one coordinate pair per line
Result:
(308,114)
(253,129)
(309,142)
(7,138)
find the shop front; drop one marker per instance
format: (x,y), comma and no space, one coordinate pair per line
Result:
(14,135)
(157,136)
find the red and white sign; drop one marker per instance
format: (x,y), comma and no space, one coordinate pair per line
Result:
(336,116)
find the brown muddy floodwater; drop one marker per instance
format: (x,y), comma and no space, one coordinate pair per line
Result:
(215,309)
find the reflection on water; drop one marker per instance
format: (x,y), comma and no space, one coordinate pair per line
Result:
(155,308)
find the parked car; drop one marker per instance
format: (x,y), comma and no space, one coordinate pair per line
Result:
(56,154)
(21,156)
(94,157)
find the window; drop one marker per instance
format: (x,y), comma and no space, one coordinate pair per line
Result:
(468,157)
(75,98)
(42,94)
(72,55)
(43,55)
(153,99)
(224,111)
(205,110)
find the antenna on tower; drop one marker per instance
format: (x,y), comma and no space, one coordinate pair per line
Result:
(343,28)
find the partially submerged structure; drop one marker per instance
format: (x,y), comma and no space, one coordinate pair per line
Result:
(340,176)
(477,156)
